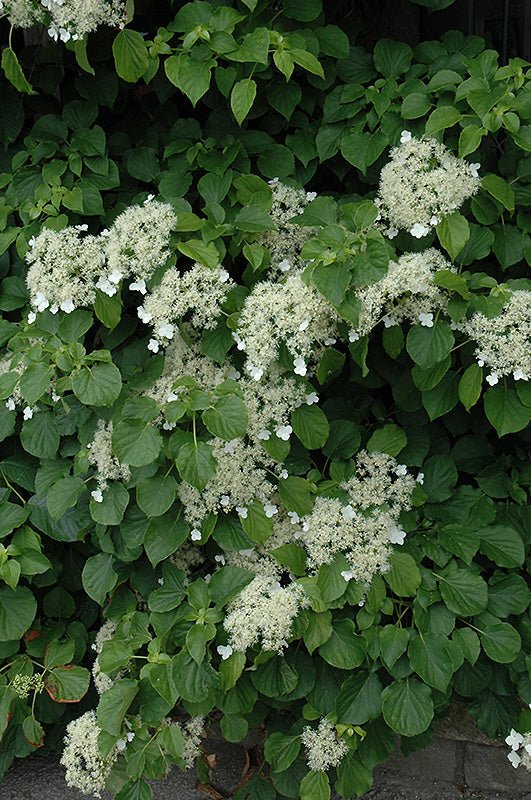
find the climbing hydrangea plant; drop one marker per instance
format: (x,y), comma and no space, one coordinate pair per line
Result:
(264,392)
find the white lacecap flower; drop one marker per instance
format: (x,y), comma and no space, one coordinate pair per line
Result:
(115,276)
(434,220)
(10,404)
(418,230)
(55,397)
(240,343)
(166,330)
(264,435)
(168,426)
(401,470)
(514,758)
(28,412)
(143,314)
(138,286)
(299,366)
(67,306)
(54,309)
(32,316)
(420,478)
(294,517)
(270,510)
(242,511)
(153,345)
(391,233)
(283,474)
(312,398)
(105,286)
(172,397)
(492,379)
(224,500)
(310,196)
(405,136)
(284,265)
(520,375)
(389,322)
(304,324)
(195,535)
(255,372)
(160,581)
(220,559)
(223,275)
(426,319)
(514,739)
(40,302)
(347,575)
(284,432)
(225,651)
(474,169)
(97,495)
(353,336)
(396,534)
(149,199)
(329,341)
(348,512)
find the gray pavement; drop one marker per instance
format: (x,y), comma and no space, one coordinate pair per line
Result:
(447,770)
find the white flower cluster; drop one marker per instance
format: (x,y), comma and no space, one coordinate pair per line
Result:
(290,313)
(406,292)
(24,685)
(520,744)
(263,612)
(86,769)
(504,342)
(364,528)
(269,404)
(421,184)
(323,748)
(193,732)
(102,681)
(65,19)
(286,241)
(137,244)
(101,457)
(238,481)
(66,267)
(198,292)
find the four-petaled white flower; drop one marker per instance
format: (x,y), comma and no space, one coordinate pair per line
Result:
(28,412)
(225,651)
(223,275)
(347,575)
(396,534)
(299,366)
(492,379)
(166,330)
(264,435)
(514,739)
(138,286)
(97,495)
(312,398)
(419,230)
(426,319)
(348,513)
(474,170)
(144,315)
(270,510)
(153,345)
(195,535)
(284,432)
(401,470)
(405,136)
(284,265)
(242,511)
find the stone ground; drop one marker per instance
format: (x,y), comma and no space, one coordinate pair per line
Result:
(449,769)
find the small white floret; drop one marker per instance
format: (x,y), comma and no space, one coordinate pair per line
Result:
(97,495)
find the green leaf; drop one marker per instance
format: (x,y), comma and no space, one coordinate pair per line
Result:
(453,233)
(363,149)
(136,790)
(428,346)
(470,139)
(344,649)
(470,386)
(311,426)
(228,418)
(67,684)
(359,699)
(130,55)
(281,750)
(503,545)
(391,59)
(40,435)
(415,105)
(275,678)
(99,577)
(295,495)
(390,439)
(319,630)
(354,777)
(430,658)
(440,477)
(189,75)
(108,309)
(499,189)
(242,97)
(112,508)
(393,643)
(156,495)
(403,576)
(114,704)
(196,464)
(197,250)
(307,61)
(13,71)
(504,410)
(407,706)
(315,786)
(17,611)
(63,495)
(501,642)
(291,556)
(256,525)
(33,731)
(463,591)
(443,117)
(99,385)
(34,382)
(135,442)
(163,537)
